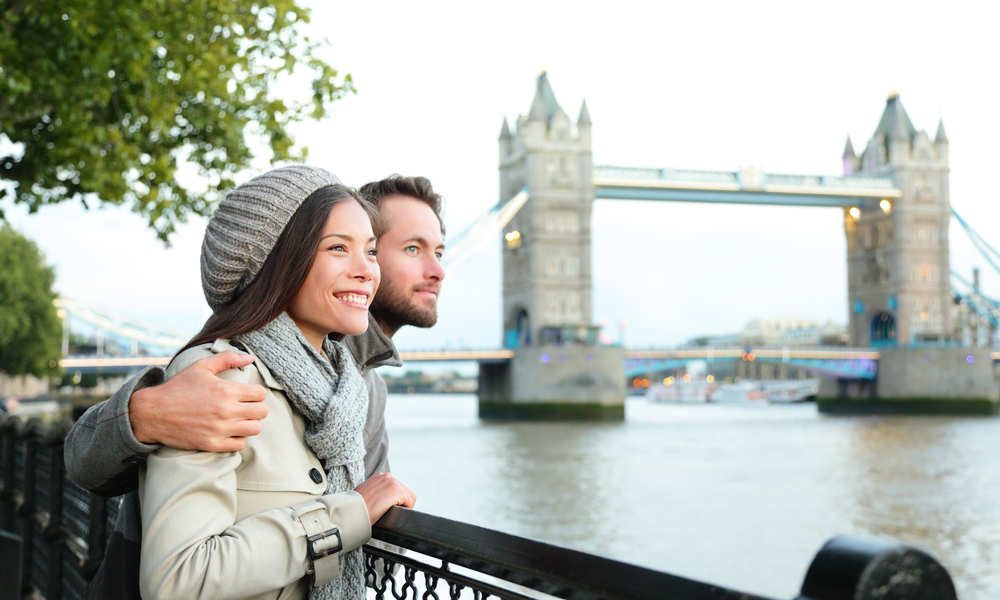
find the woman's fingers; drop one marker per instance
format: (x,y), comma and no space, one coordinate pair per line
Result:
(382,491)
(407,497)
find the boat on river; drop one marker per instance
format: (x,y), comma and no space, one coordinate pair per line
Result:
(742,392)
(681,391)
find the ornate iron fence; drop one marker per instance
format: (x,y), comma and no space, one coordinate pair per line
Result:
(53,535)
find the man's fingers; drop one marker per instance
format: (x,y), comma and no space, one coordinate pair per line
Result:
(231,444)
(251,392)
(249,410)
(246,428)
(224,361)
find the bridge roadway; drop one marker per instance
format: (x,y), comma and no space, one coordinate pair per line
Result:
(747,186)
(636,360)
(77,362)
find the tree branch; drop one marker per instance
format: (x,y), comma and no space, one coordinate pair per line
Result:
(15,7)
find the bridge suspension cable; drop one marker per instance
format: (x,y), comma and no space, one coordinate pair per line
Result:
(989,252)
(983,305)
(475,237)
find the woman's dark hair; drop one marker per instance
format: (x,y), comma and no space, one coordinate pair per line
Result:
(285,268)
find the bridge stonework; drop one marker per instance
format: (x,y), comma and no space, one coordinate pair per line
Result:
(546,249)
(899,288)
(558,370)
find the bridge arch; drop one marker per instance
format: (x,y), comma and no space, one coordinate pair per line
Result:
(882,329)
(519,329)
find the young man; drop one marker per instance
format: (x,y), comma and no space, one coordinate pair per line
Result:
(195,410)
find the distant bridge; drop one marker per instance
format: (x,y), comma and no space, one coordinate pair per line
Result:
(747,186)
(848,363)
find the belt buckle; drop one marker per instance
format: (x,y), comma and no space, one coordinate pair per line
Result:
(318,537)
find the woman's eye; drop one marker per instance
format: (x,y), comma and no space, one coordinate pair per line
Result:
(338,248)
(373,252)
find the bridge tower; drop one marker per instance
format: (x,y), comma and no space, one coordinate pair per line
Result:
(897,249)
(558,371)
(546,247)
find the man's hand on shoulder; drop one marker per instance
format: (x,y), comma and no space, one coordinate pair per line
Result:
(195,410)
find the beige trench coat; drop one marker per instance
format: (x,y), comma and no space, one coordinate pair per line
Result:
(227,525)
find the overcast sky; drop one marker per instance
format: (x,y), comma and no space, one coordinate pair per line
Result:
(701,85)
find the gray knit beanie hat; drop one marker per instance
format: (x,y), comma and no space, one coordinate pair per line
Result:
(246,226)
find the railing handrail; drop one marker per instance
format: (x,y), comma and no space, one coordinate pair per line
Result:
(541,566)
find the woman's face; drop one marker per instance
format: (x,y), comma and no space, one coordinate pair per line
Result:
(342,281)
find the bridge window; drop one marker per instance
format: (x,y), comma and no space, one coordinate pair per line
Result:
(562,222)
(552,308)
(562,308)
(924,274)
(573,307)
(925,233)
(568,266)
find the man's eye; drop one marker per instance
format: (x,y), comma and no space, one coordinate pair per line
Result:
(412,249)
(438,255)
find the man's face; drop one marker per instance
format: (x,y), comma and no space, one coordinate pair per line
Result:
(409,255)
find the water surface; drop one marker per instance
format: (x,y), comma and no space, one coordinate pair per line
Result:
(742,496)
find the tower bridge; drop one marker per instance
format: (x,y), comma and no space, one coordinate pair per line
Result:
(895,205)
(895,208)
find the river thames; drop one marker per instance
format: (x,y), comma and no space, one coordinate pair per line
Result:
(738,495)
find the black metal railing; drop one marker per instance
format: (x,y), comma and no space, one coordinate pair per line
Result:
(53,535)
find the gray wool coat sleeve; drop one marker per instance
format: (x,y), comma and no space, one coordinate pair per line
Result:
(101,452)
(375,436)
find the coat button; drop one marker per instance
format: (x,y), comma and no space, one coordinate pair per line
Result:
(315,475)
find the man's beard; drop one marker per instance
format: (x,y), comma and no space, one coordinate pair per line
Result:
(393,307)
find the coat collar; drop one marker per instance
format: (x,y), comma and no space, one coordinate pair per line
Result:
(373,348)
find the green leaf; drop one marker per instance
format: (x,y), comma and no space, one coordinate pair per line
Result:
(120,92)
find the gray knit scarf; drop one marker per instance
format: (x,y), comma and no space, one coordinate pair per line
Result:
(334,401)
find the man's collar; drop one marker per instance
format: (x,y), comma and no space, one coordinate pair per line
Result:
(373,348)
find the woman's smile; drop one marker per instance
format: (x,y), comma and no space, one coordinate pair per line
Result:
(354,299)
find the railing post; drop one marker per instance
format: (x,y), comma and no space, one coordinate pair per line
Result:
(11,540)
(8,498)
(49,513)
(97,535)
(850,567)
(28,443)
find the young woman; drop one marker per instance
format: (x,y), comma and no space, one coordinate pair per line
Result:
(288,259)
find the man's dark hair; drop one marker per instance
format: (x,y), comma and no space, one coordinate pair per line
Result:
(285,268)
(419,188)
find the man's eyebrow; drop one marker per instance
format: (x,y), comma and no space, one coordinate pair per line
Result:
(422,240)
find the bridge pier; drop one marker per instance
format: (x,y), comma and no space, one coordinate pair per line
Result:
(555,383)
(920,380)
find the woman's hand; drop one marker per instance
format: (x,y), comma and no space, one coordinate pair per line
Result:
(382,491)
